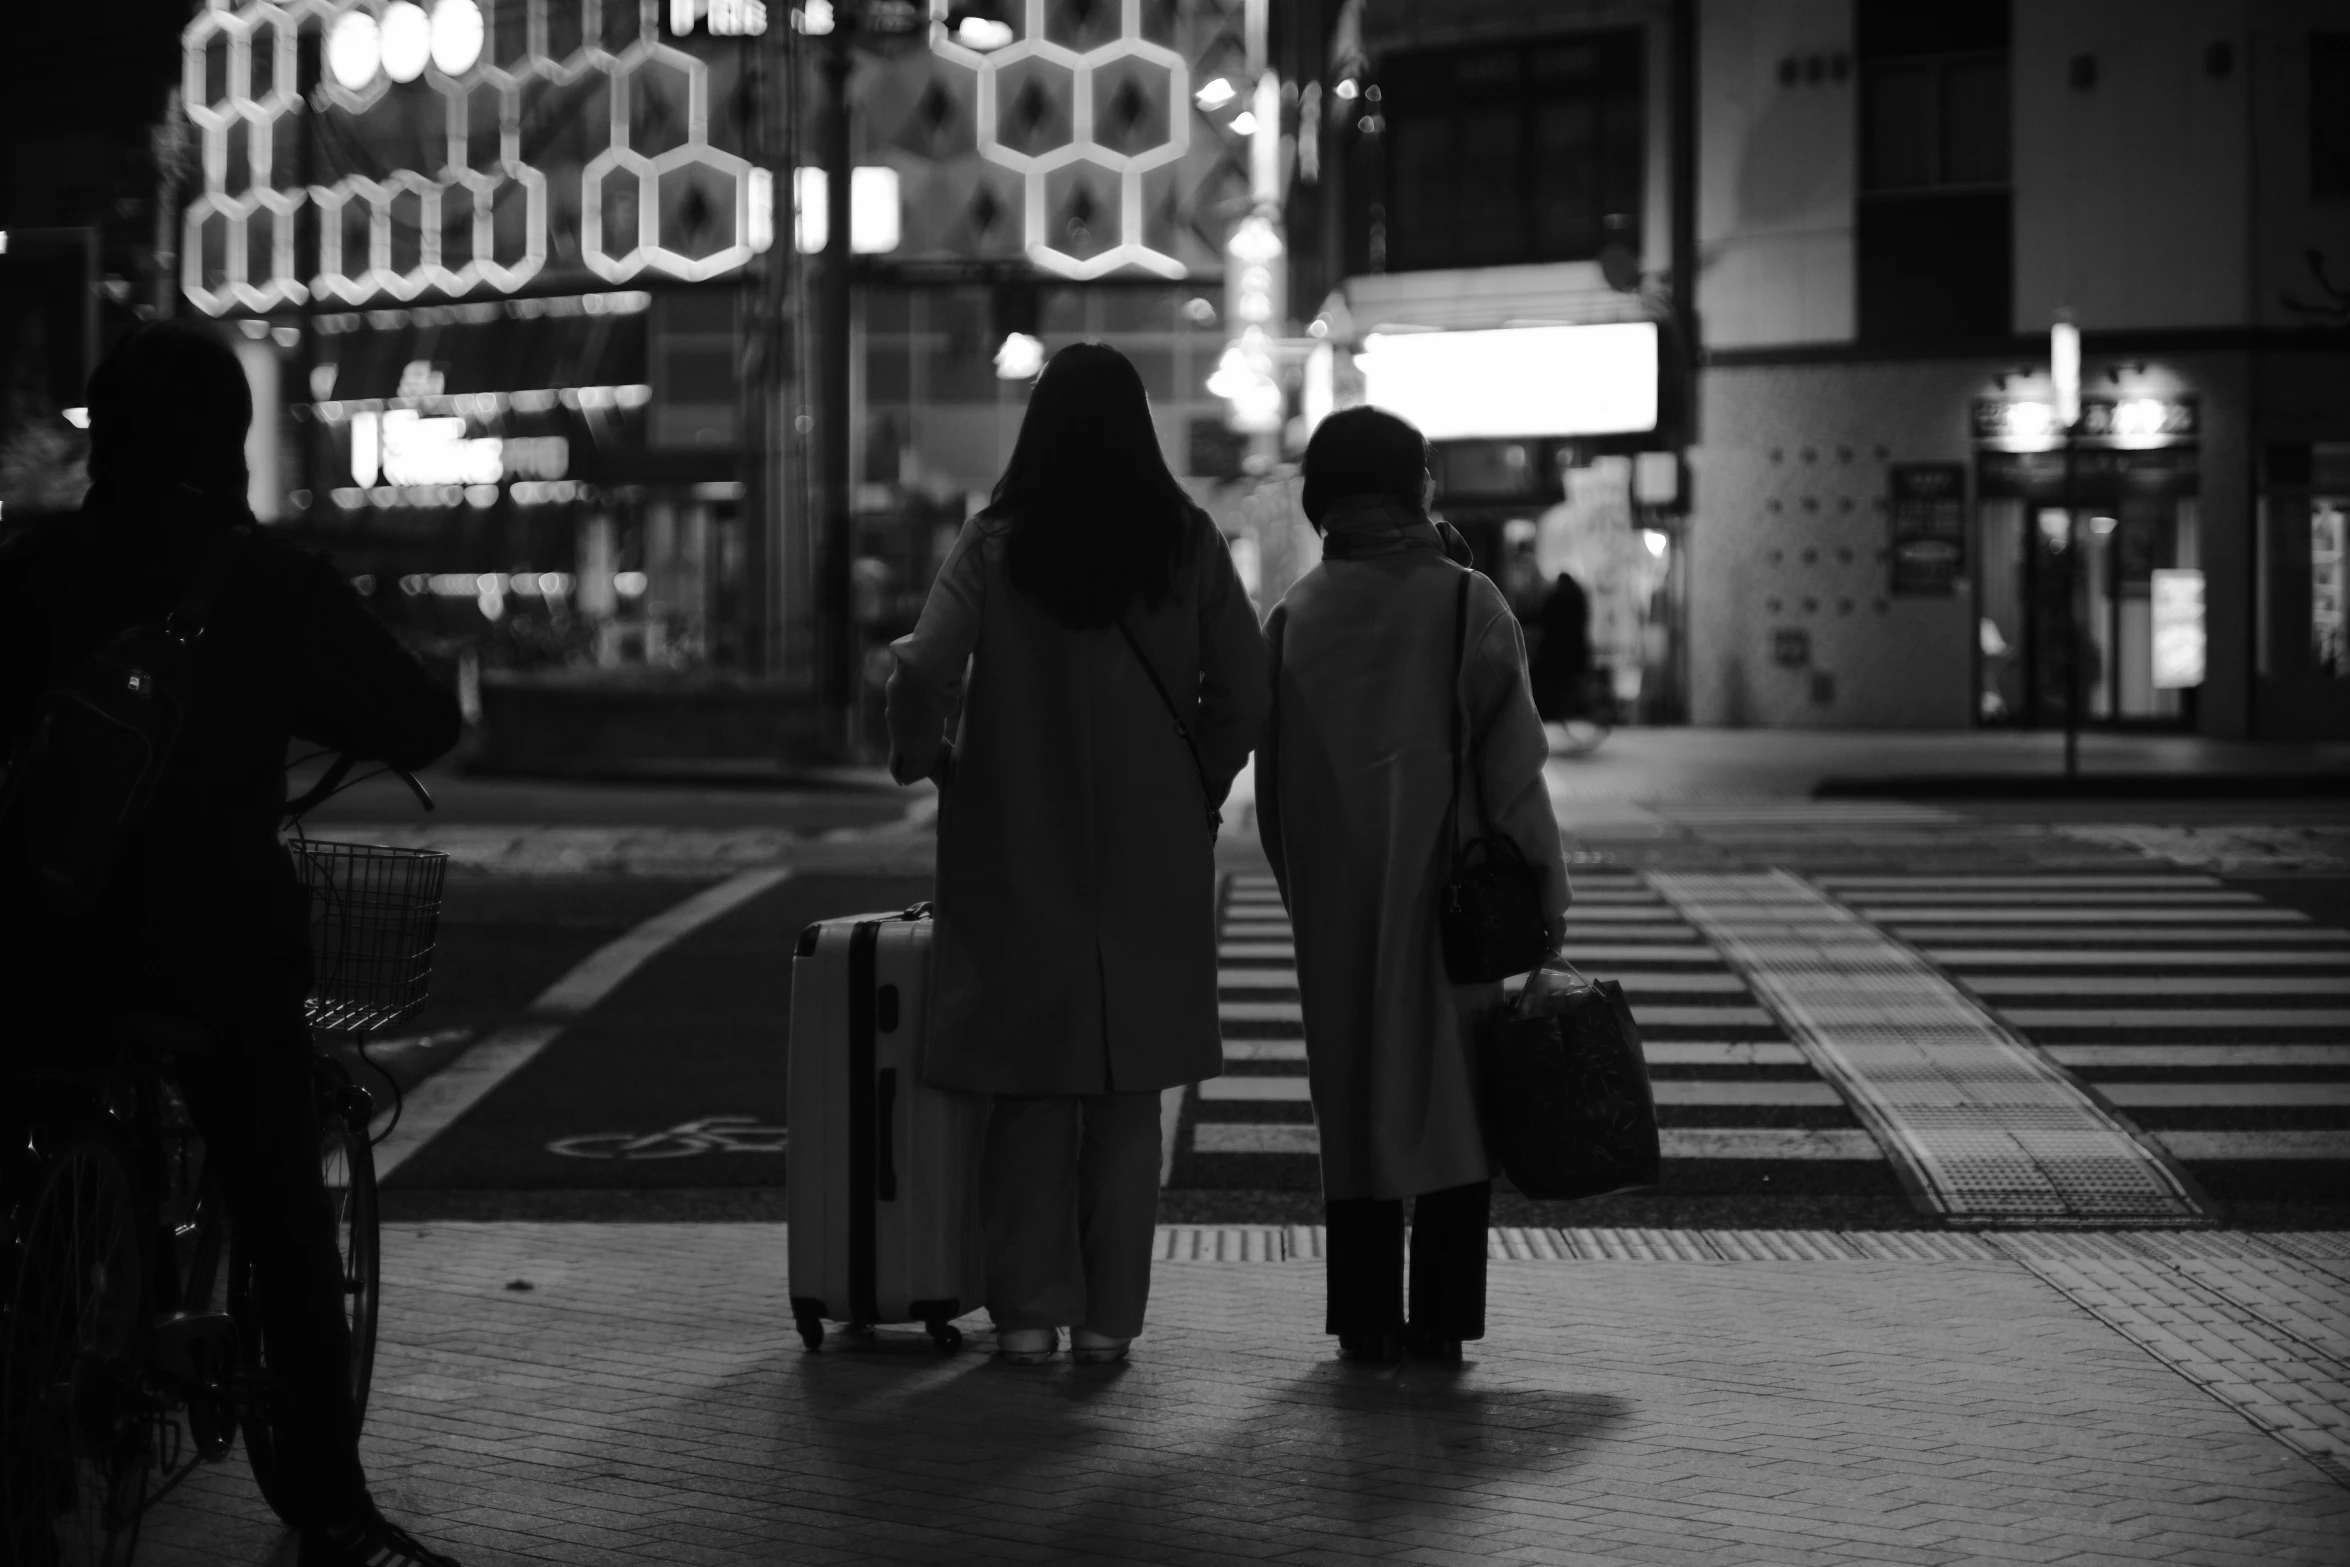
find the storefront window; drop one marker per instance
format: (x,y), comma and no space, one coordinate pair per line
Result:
(2091,577)
(2304,593)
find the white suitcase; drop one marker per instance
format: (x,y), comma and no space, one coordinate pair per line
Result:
(881,1178)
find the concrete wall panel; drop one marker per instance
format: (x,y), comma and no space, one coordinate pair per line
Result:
(1790,532)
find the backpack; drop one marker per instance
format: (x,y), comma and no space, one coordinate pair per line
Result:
(103,731)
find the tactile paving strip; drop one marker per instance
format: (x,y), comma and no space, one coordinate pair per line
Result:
(1983,1128)
(1307,1243)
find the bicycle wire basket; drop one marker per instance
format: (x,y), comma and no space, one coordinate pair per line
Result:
(375,914)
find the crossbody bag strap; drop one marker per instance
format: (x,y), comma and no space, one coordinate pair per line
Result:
(1207,795)
(1460,666)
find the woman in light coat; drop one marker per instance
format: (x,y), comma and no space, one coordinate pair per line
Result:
(1355,784)
(1074,966)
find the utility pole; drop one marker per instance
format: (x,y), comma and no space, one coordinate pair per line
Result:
(2064,367)
(308,50)
(837,656)
(765,366)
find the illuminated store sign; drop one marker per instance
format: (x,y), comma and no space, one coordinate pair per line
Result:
(1518,381)
(423,183)
(720,18)
(2029,425)
(404,447)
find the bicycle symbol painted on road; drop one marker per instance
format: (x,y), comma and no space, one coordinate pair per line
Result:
(710,1134)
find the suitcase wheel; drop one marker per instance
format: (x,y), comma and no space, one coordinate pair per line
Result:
(946,1336)
(812,1332)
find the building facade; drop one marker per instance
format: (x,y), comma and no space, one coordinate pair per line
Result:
(1844,496)
(1891,524)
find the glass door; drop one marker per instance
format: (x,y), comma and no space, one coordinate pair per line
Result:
(2114,585)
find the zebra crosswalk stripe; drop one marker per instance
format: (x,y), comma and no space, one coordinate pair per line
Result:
(2265,986)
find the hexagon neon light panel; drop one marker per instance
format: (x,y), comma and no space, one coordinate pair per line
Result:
(571,137)
(1081,118)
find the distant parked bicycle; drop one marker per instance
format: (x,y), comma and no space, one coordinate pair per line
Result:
(710,1134)
(130,1353)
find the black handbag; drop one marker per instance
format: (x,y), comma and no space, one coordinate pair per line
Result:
(1490,920)
(1568,1109)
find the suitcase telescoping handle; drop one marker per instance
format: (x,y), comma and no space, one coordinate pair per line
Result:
(885,1174)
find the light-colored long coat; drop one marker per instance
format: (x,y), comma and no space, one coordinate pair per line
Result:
(1353,785)
(1075,950)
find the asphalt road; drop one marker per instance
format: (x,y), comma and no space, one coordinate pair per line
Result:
(692,1044)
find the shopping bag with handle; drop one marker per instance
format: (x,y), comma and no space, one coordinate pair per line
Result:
(1569,1112)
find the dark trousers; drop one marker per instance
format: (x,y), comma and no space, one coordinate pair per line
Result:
(1364,1258)
(254,1105)
(1069,1201)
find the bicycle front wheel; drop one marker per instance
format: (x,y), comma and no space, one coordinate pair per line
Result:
(347,1171)
(73,1445)
(347,1163)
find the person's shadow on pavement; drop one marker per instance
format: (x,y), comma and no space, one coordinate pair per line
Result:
(1078,1462)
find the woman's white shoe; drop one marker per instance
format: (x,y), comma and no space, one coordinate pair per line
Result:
(1089,1348)
(1028,1346)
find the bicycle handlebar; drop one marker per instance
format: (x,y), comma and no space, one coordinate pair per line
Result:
(331,783)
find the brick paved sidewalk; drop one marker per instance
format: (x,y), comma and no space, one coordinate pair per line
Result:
(645,1400)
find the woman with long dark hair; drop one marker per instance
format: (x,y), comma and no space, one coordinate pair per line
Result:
(1086,679)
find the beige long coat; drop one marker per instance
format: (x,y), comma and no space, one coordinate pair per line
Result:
(1353,785)
(1075,944)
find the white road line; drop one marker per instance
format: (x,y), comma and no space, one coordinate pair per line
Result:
(1262,951)
(1721,1052)
(2117,914)
(1668,1091)
(2204,1018)
(1253,1137)
(1662,1016)
(1261,1012)
(2159,985)
(2017,883)
(1256,979)
(1740,1142)
(2143,938)
(2257,1145)
(2196,1096)
(2051,898)
(1717,1091)
(1582,913)
(2185,1056)
(602,972)
(1634,980)
(431,1107)
(1254,1090)
(1587,954)
(1264,1050)
(2098,957)
(1583,935)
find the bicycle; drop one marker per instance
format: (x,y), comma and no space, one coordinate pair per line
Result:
(129,1353)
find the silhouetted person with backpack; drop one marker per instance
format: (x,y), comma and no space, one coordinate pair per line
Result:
(194,912)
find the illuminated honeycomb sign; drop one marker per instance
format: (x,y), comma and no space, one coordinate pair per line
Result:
(575,143)
(1091,102)
(1078,146)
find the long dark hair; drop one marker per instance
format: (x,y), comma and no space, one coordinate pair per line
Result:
(1097,521)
